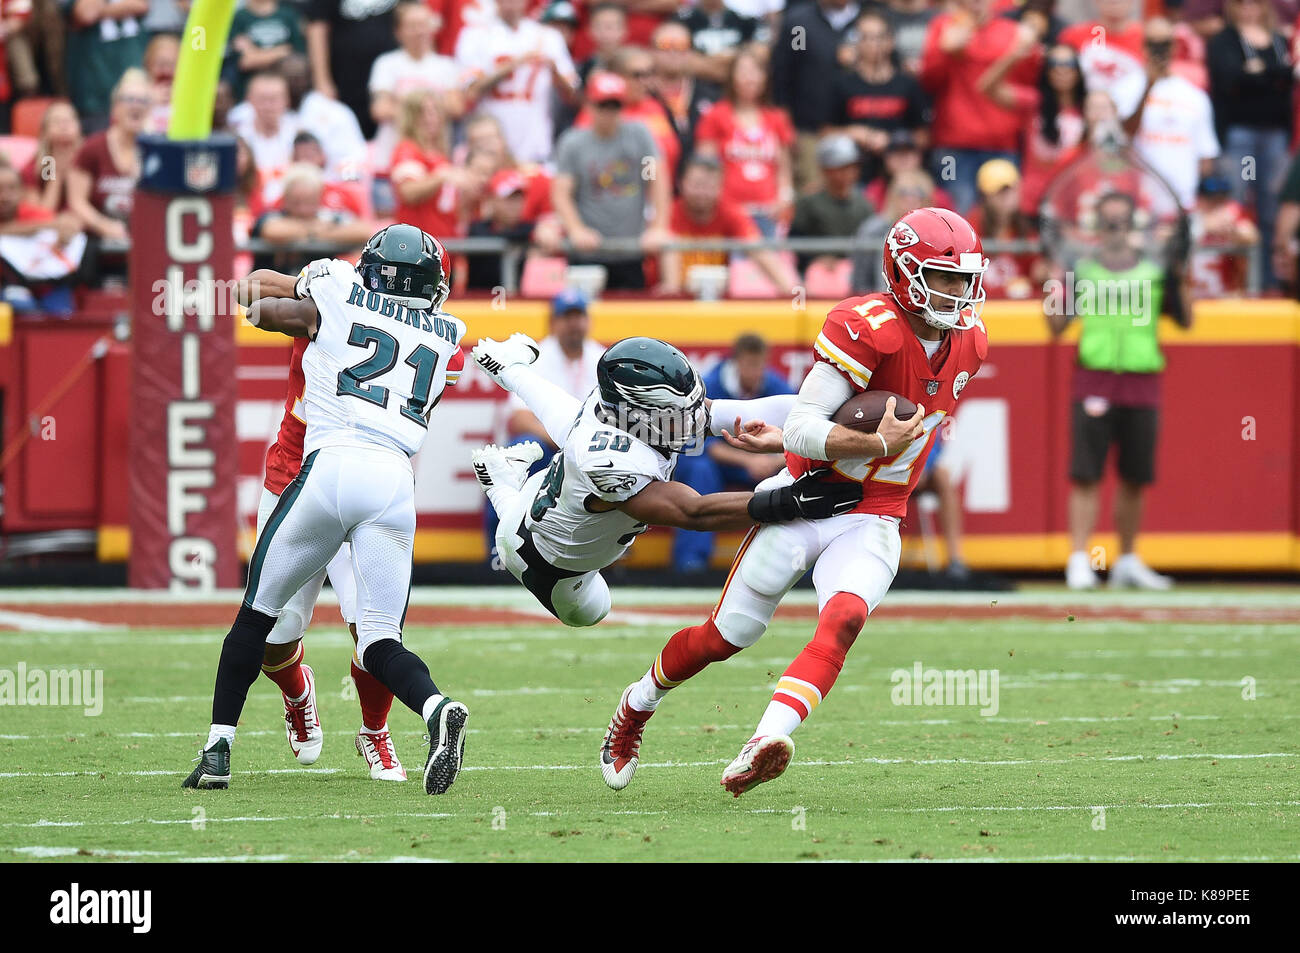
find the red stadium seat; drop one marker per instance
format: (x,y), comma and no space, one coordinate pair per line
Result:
(25,119)
(19,150)
(747,281)
(829,281)
(543,277)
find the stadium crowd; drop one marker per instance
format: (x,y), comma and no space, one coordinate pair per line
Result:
(602,131)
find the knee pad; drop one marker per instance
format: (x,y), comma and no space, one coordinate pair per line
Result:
(587,611)
(289,627)
(739,628)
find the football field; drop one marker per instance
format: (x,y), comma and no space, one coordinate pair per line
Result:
(1038,725)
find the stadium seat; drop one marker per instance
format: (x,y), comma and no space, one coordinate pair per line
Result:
(748,281)
(19,150)
(829,280)
(543,276)
(25,119)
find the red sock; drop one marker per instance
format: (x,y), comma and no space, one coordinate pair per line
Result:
(688,652)
(375,698)
(810,676)
(288,674)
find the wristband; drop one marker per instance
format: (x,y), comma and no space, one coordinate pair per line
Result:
(884,447)
(772,506)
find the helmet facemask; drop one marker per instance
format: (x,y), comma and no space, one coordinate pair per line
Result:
(954,312)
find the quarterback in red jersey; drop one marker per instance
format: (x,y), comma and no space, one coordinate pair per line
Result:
(282,661)
(922,339)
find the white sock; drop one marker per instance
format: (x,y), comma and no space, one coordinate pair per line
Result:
(430,704)
(646,694)
(501,496)
(379,731)
(217,732)
(779,719)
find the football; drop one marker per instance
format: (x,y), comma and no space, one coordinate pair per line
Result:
(864,411)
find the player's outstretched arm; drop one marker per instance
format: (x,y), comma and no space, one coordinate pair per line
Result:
(265,283)
(676,504)
(297,319)
(810,432)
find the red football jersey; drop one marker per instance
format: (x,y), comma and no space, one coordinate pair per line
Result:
(869,340)
(284,457)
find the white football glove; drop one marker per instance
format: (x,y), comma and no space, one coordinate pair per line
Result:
(495,356)
(315,269)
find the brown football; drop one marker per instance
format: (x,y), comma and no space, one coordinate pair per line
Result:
(864,411)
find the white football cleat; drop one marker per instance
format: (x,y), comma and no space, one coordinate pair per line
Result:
(495,356)
(1130,571)
(377,748)
(619,752)
(302,723)
(1078,572)
(762,759)
(501,471)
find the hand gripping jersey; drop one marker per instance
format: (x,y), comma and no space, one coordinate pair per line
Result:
(375,369)
(870,342)
(284,457)
(597,461)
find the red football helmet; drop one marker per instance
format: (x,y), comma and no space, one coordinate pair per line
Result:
(943,240)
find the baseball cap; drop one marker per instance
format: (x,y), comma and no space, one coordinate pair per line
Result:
(996,175)
(836,151)
(901,139)
(603,86)
(506,183)
(570,299)
(560,12)
(1214,185)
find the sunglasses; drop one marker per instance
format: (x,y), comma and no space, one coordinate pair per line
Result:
(1064,62)
(673,46)
(1121,226)
(609,104)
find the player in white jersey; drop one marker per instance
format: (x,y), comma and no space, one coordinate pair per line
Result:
(612,476)
(515,63)
(375,368)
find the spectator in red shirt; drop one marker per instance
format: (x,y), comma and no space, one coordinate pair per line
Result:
(1218,221)
(45,177)
(875,98)
(701,211)
(998,217)
(301,217)
(424,182)
(970,126)
(1057,126)
(752,141)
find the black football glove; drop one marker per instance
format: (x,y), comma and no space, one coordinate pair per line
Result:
(808,497)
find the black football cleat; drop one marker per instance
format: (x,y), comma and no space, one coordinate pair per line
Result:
(446,746)
(213,771)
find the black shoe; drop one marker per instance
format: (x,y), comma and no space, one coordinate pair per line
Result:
(214,767)
(446,746)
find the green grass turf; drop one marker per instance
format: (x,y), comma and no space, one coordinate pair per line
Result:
(1144,720)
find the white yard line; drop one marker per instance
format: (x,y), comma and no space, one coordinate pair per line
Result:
(36,622)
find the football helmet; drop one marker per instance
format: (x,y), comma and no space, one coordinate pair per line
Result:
(656,394)
(943,240)
(407,264)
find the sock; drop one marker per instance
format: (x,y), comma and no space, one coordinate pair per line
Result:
(811,675)
(685,654)
(402,672)
(241,660)
(288,675)
(501,496)
(555,407)
(376,700)
(430,706)
(217,732)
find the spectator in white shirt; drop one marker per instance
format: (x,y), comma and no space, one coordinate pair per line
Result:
(265,122)
(514,61)
(330,120)
(411,67)
(1173,124)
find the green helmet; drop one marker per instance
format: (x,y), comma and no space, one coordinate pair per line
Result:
(656,393)
(405,263)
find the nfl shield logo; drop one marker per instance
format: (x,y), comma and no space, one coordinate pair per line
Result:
(200,170)
(931,388)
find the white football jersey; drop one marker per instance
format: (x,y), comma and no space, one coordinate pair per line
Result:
(598,460)
(376,368)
